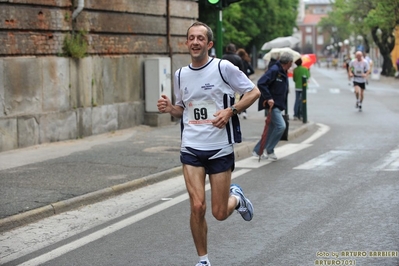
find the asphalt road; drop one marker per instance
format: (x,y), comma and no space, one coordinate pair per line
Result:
(332,197)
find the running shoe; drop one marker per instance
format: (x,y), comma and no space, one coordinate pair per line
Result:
(245,208)
(203,263)
(263,156)
(272,157)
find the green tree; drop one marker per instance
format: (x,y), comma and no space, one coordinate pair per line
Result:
(253,22)
(374,20)
(382,21)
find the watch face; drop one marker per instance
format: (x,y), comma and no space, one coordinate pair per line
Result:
(234,110)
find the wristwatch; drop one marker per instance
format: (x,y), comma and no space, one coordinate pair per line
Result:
(235,111)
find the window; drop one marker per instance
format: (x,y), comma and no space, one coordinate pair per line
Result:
(308,29)
(308,39)
(320,40)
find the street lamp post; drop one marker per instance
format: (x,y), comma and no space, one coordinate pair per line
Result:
(346,43)
(341,60)
(359,43)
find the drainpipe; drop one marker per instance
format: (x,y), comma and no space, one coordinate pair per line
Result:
(81,5)
(168,34)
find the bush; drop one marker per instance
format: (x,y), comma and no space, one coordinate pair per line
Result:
(75,45)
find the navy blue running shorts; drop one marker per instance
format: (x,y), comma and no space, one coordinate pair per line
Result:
(203,159)
(361,85)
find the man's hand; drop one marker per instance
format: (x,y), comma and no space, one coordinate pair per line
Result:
(164,104)
(270,103)
(222,117)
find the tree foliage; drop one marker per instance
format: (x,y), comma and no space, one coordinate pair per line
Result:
(374,20)
(253,22)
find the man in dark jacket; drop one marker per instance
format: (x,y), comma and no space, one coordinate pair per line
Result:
(274,88)
(233,57)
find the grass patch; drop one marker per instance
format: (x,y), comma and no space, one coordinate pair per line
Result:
(75,45)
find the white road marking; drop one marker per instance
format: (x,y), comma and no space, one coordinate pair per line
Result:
(323,129)
(313,82)
(335,91)
(327,159)
(390,162)
(283,151)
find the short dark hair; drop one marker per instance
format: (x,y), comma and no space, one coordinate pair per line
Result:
(231,48)
(209,32)
(298,62)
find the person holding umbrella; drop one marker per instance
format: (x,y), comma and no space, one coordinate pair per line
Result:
(274,89)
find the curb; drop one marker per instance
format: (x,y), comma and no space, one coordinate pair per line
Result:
(31,216)
(243,150)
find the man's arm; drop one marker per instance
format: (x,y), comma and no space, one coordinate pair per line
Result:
(223,116)
(350,69)
(247,99)
(165,106)
(265,81)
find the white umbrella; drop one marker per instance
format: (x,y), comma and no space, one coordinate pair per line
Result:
(279,51)
(280,42)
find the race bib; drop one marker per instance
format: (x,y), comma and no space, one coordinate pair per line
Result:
(200,113)
(358,72)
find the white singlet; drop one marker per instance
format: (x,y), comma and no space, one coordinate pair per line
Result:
(359,68)
(200,91)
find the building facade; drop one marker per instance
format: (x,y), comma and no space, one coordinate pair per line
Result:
(313,39)
(46,95)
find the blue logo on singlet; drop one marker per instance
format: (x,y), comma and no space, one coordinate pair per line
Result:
(185,90)
(207,86)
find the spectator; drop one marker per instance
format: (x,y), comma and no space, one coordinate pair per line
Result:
(299,72)
(233,57)
(274,88)
(248,70)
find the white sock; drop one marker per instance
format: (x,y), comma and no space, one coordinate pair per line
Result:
(204,258)
(238,199)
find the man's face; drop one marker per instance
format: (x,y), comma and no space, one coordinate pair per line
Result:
(359,56)
(197,42)
(287,66)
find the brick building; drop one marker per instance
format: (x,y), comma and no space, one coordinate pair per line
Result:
(46,96)
(312,38)
(38,27)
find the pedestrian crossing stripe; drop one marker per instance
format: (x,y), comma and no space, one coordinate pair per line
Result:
(389,162)
(283,151)
(335,91)
(331,90)
(327,159)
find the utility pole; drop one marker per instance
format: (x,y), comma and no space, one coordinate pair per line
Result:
(219,5)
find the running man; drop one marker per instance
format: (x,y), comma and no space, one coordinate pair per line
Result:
(359,69)
(204,93)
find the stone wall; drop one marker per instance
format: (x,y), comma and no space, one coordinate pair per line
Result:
(39,27)
(46,97)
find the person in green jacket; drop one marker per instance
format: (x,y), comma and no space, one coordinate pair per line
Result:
(299,72)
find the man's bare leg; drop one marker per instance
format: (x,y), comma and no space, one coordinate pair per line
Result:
(223,204)
(357,94)
(195,184)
